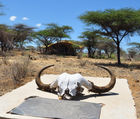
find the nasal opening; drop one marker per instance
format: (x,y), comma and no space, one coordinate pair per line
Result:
(67,91)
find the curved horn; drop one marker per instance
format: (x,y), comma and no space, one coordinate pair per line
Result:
(39,82)
(103,89)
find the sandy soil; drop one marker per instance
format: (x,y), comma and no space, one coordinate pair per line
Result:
(85,66)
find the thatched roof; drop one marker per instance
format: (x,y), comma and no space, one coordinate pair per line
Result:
(63,48)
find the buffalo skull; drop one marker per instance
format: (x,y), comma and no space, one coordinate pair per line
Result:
(70,85)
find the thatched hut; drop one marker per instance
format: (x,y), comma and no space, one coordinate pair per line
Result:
(63,48)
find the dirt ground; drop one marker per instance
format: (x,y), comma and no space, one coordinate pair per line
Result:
(130,70)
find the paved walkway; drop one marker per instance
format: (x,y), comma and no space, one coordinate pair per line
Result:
(118,103)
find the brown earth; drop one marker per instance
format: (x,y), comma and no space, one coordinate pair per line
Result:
(130,70)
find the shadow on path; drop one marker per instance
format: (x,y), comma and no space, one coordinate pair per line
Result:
(82,96)
(78,98)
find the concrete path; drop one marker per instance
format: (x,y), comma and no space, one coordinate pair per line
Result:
(118,103)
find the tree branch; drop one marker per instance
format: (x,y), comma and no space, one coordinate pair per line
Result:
(125,34)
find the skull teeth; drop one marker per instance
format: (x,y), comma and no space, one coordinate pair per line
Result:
(67,97)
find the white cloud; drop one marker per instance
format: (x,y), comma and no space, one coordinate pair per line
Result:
(12,18)
(25,18)
(38,25)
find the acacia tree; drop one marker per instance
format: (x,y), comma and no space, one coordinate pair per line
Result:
(6,35)
(90,41)
(59,32)
(6,38)
(135,45)
(107,45)
(52,33)
(116,24)
(22,34)
(132,52)
(44,37)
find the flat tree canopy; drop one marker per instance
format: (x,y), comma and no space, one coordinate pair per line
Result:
(114,23)
(135,45)
(52,33)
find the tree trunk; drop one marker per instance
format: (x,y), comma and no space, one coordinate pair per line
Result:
(109,55)
(89,52)
(93,53)
(46,49)
(118,53)
(2,47)
(99,54)
(21,45)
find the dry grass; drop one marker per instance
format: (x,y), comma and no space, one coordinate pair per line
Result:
(5,60)
(13,72)
(19,69)
(86,66)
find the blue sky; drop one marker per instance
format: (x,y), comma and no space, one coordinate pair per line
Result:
(63,12)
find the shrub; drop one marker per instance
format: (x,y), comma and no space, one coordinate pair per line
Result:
(82,63)
(19,69)
(79,55)
(5,60)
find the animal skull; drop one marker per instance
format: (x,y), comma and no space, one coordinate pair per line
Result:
(70,85)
